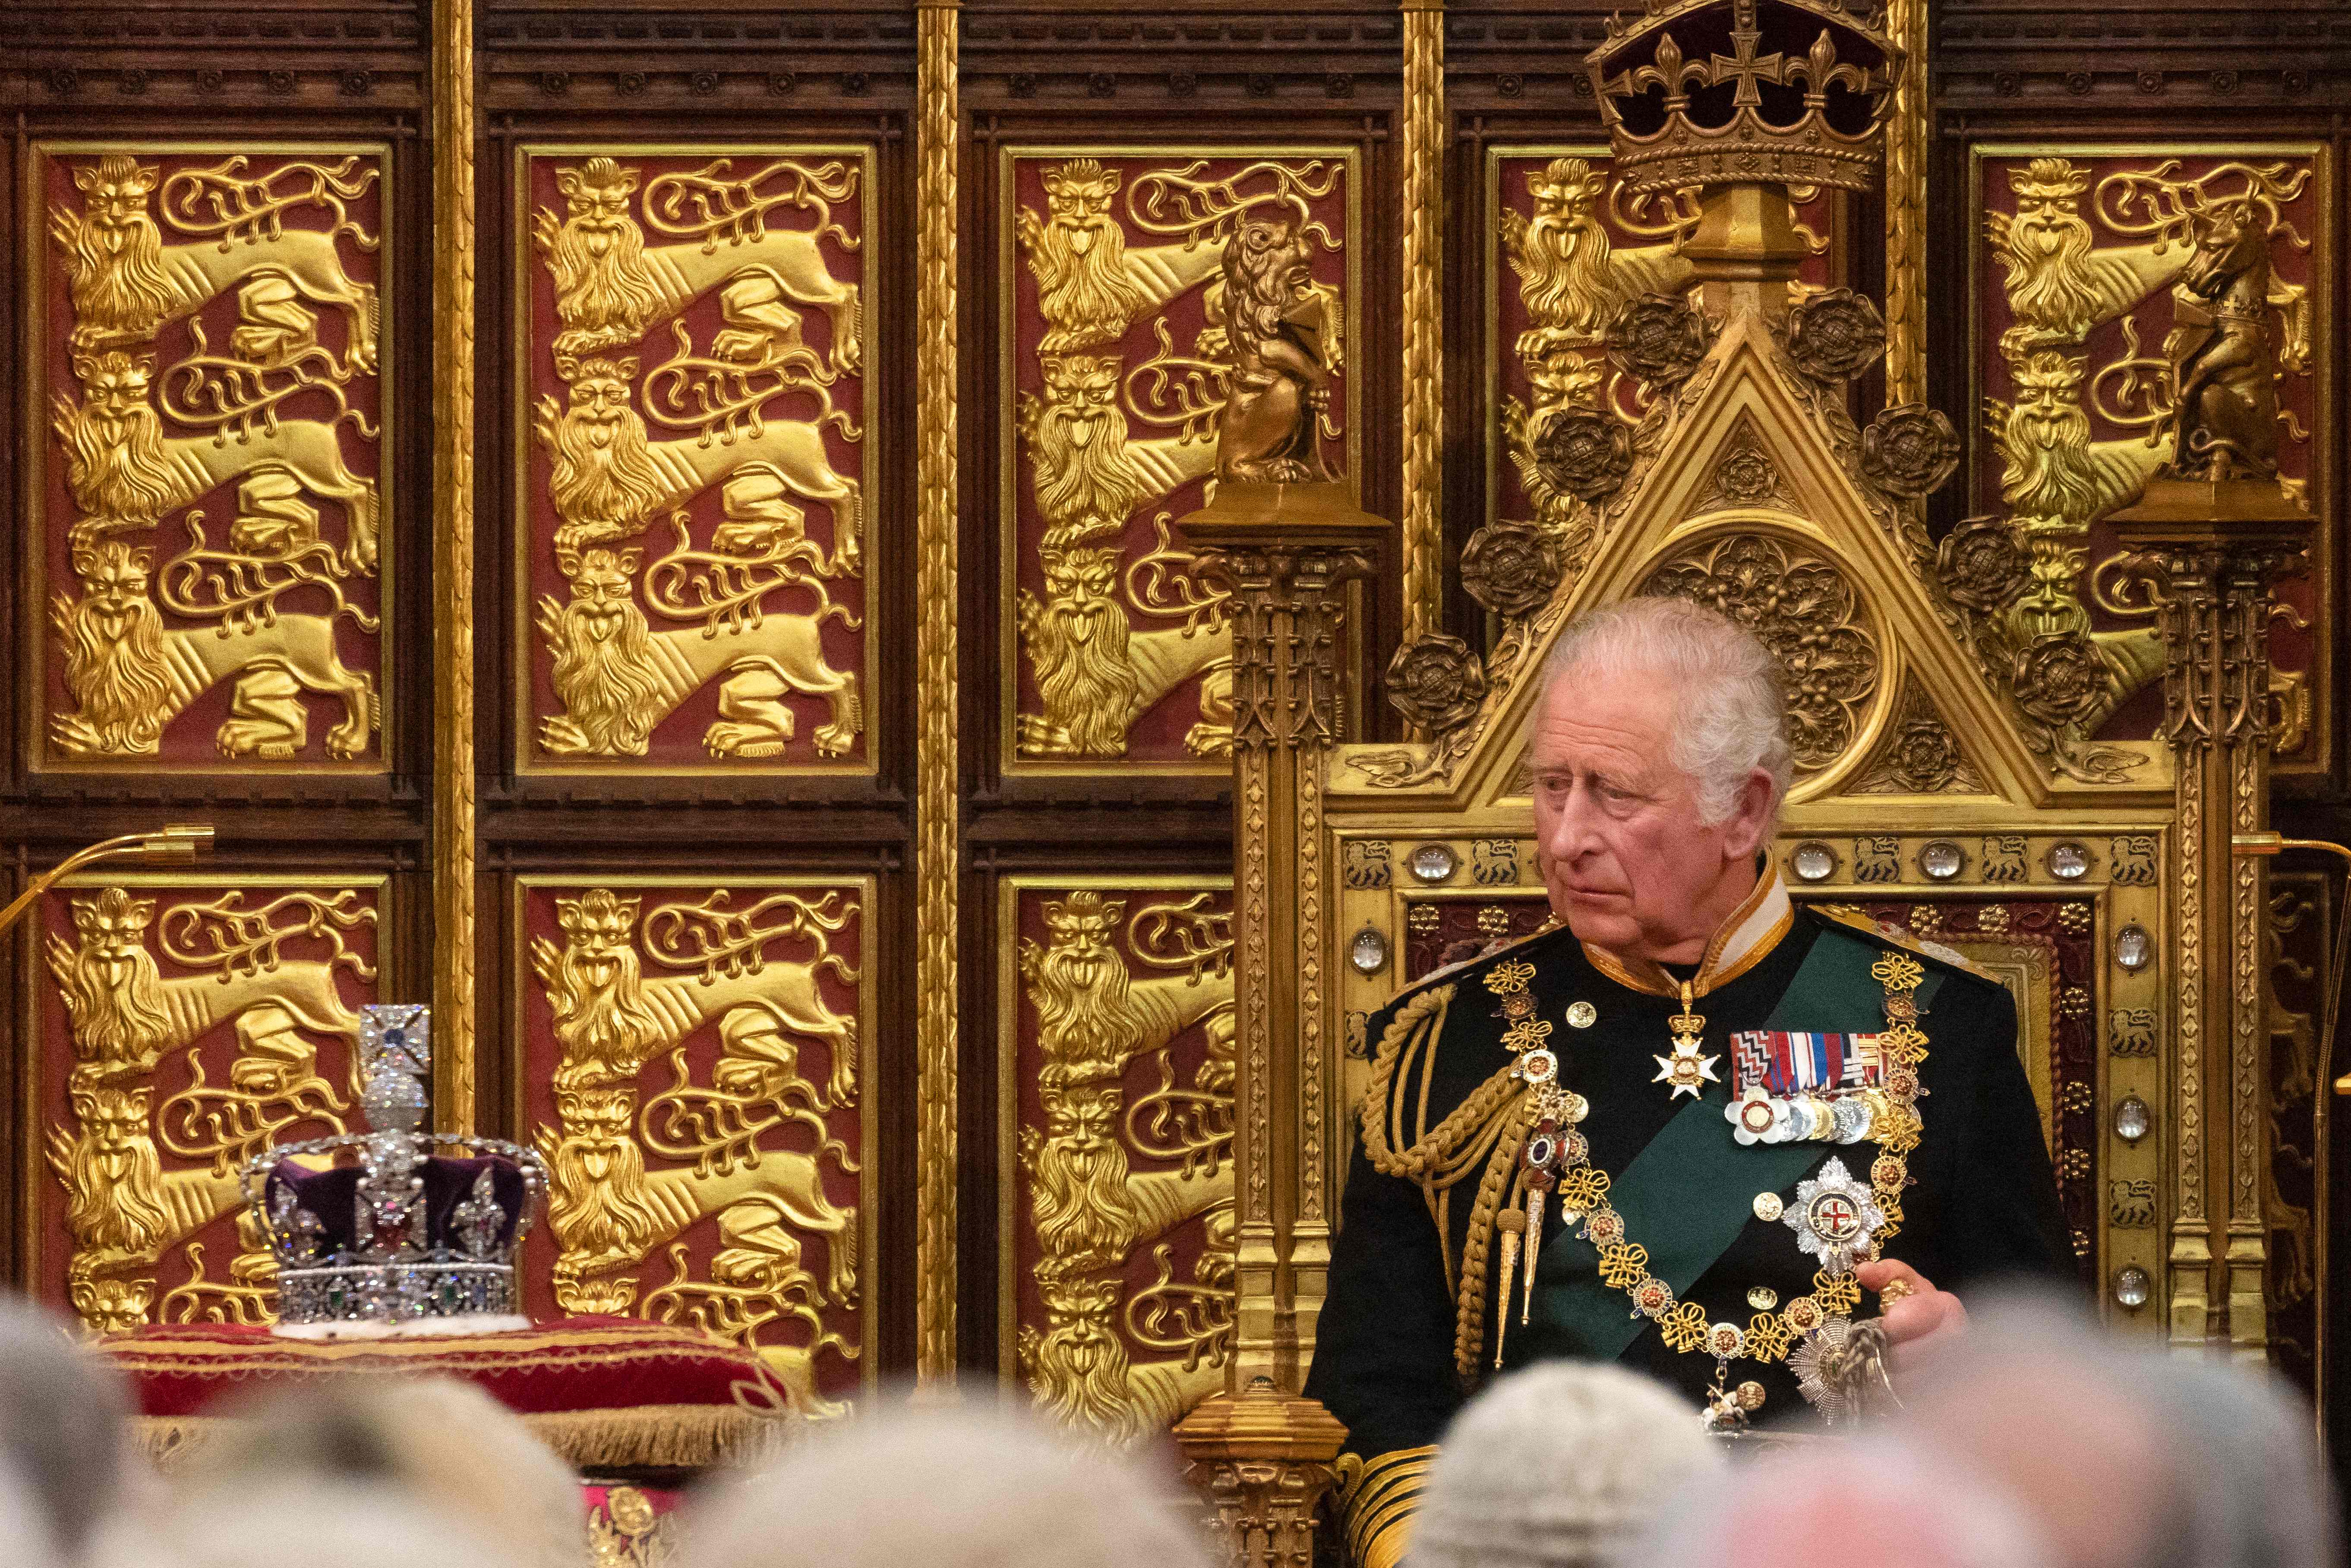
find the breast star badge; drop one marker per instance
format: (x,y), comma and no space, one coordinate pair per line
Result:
(1834,1217)
(1686,1069)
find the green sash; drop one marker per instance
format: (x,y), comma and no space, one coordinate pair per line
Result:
(1690,1191)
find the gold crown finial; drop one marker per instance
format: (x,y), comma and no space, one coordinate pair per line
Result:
(1797,98)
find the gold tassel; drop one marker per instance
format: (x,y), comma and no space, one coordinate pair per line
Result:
(1510,1224)
(1533,1224)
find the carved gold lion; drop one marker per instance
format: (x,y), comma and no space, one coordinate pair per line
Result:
(130,677)
(126,284)
(124,473)
(610,480)
(618,679)
(125,1015)
(609,286)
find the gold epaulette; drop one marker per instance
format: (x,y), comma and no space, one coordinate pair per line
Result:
(1379,1497)
(1490,951)
(1847,915)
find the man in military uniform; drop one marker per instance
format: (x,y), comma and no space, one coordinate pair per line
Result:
(1684,1126)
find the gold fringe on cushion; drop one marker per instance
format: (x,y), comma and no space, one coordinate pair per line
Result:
(689,1437)
(684,1436)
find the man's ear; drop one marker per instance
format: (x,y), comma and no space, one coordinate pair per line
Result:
(1751,817)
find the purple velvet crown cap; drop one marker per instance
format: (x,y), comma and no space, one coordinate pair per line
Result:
(331,1196)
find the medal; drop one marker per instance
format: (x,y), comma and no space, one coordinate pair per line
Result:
(1686,1069)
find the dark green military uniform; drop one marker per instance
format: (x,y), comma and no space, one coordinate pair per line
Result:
(1392,1338)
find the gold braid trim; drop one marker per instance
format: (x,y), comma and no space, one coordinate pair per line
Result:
(1470,1315)
(1443,1155)
(1379,1499)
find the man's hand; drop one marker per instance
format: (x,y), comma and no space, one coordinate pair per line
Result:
(1923,1317)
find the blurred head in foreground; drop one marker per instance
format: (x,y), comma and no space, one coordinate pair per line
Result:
(305,1520)
(1560,1466)
(431,1448)
(946,1487)
(2159,1459)
(61,1431)
(2036,1442)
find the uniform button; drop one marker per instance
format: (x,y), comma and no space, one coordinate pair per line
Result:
(1768,1207)
(1581,1015)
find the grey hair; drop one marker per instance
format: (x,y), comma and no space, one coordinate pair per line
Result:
(948,1486)
(308,1517)
(62,1415)
(1560,1466)
(434,1443)
(1729,704)
(2226,1456)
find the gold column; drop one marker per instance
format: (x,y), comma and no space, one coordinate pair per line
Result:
(1424,321)
(1288,554)
(937,801)
(1906,133)
(453,562)
(2212,559)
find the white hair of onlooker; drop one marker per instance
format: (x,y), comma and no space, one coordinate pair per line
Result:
(62,1426)
(30,1541)
(2168,1461)
(946,1487)
(2257,1489)
(1726,692)
(308,1518)
(1560,1466)
(441,1444)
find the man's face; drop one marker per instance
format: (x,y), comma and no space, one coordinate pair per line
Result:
(1627,859)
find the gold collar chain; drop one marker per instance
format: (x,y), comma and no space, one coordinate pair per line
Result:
(1555,1156)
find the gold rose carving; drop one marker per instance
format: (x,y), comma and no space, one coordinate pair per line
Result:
(1088,1211)
(2206,241)
(1808,613)
(609,1210)
(1105,440)
(1920,755)
(755,404)
(271,971)
(274,409)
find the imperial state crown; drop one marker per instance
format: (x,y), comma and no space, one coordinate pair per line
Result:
(375,1234)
